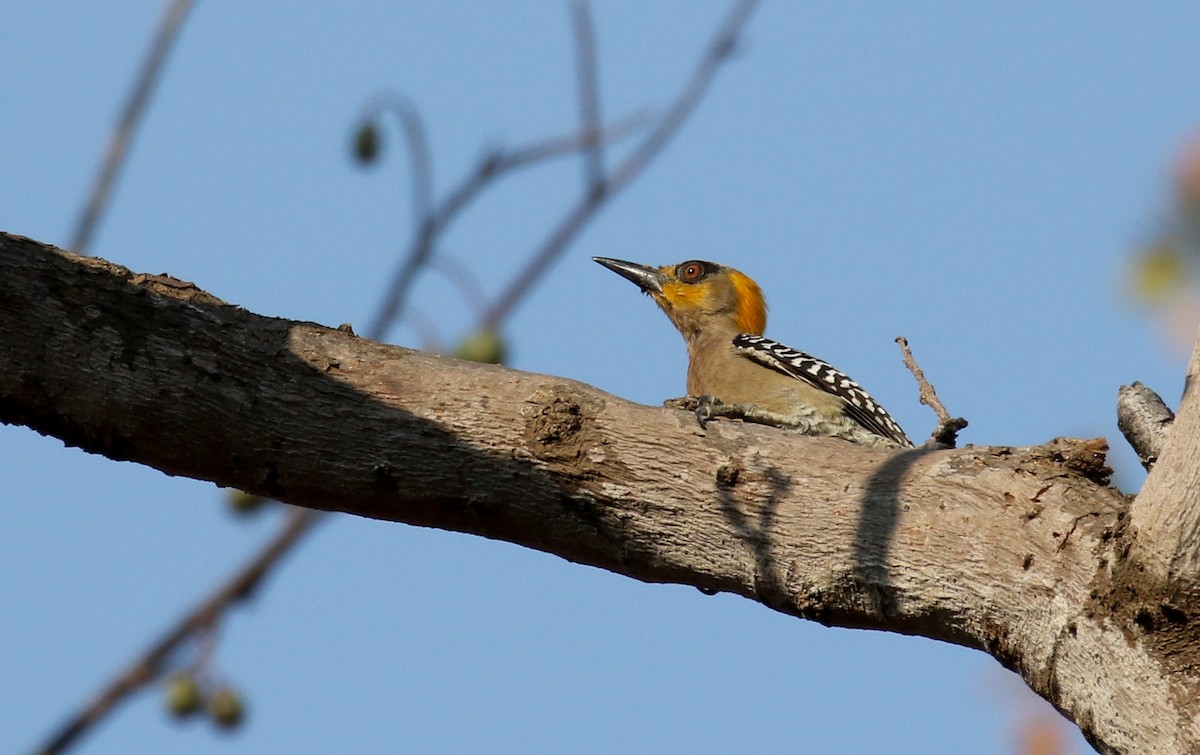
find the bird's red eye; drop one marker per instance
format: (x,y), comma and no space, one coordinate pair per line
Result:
(690,272)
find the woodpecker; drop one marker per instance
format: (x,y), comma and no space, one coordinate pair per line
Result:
(721,314)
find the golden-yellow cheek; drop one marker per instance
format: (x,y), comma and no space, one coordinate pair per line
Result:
(676,295)
(694,300)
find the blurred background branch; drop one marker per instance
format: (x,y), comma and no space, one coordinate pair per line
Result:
(131,115)
(431,220)
(604,187)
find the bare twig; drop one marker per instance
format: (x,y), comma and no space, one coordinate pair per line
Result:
(948,427)
(135,107)
(566,145)
(415,139)
(429,337)
(716,54)
(1144,420)
(928,395)
(151,664)
(463,278)
(589,94)
(492,167)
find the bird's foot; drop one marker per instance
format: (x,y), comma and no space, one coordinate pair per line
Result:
(707,408)
(704,407)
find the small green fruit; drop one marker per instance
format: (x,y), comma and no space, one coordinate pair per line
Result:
(183,697)
(245,503)
(366,143)
(482,346)
(225,708)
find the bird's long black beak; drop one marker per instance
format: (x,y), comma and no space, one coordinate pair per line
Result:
(647,278)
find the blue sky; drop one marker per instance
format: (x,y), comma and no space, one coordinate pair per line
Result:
(973,178)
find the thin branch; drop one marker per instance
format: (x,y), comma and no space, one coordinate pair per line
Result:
(135,108)
(948,427)
(150,665)
(492,167)
(566,145)
(716,54)
(415,139)
(463,278)
(428,336)
(589,93)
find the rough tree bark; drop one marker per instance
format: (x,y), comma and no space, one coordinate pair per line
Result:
(1024,553)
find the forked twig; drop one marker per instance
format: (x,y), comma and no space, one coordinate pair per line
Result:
(490,169)
(462,277)
(150,665)
(716,54)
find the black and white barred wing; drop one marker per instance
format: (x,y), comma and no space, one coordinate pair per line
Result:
(820,374)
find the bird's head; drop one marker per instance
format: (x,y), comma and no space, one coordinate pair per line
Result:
(699,296)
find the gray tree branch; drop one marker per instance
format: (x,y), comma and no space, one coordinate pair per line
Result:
(1167,511)
(1022,553)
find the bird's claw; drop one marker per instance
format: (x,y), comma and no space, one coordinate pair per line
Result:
(701,406)
(704,409)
